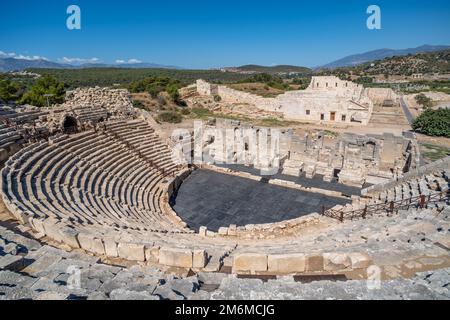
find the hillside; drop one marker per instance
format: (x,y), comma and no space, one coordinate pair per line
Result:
(425,63)
(432,62)
(274,69)
(122,76)
(380,54)
(15,64)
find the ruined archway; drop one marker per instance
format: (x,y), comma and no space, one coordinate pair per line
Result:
(70,125)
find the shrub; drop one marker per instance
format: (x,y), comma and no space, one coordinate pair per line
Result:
(45,85)
(434,123)
(217,98)
(181,103)
(172,90)
(9,91)
(424,101)
(185,111)
(138,104)
(161,100)
(170,116)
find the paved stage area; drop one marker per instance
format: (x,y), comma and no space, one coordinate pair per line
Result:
(212,199)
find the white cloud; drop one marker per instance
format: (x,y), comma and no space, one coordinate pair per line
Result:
(20,56)
(29,57)
(78,60)
(134,61)
(7,55)
(130,61)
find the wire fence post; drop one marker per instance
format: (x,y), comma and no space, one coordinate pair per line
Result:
(422,201)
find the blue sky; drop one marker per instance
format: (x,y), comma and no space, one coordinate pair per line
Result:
(207,34)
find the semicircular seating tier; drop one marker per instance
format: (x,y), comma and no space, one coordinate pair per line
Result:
(106,191)
(115,174)
(110,180)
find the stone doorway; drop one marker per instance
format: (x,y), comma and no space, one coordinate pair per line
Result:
(70,125)
(332,116)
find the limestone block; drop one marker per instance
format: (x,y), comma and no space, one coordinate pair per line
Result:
(69,237)
(90,243)
(286,263)
(51,228)
(22,217)
(360,260)
(336,261)
(223,231)
(110,247)
(11,262)
(211,234)
(199,259)
(37,225)
(202,231)
(232,230)
(131,251)
(152,254)
(250,262)
(175,257)
(314,262)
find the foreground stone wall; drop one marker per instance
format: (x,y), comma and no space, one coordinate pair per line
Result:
(296,263)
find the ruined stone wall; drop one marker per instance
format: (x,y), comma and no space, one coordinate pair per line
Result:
(114,100)
(355,159)
(327,100)
(236,96)
(206,89)
(380,95)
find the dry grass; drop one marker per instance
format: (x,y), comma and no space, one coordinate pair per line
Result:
(259,89)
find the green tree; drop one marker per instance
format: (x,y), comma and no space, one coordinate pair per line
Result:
(172,90)
(434,123)
(9,91)
(424,101)
(45,85)
(153,90)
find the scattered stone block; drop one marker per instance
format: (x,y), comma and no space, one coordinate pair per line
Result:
(122,294)
(11,262)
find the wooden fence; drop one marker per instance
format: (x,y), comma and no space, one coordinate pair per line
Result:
(391,207)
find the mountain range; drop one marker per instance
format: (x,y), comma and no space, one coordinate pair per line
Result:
(15,64)
(357,59)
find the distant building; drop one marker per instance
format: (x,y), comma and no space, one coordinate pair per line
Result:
(326,100)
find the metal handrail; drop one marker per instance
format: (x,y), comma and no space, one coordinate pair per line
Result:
(420,201)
